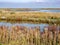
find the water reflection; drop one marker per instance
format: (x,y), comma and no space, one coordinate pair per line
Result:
(23,24)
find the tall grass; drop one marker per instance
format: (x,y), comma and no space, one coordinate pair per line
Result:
(20,35)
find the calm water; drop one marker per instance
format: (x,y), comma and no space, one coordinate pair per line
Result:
(23,24)
(42,11)
(49,10)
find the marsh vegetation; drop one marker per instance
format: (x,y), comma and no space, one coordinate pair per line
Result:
(24,27)
(23,35)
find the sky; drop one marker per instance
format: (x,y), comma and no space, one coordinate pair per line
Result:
(29,1)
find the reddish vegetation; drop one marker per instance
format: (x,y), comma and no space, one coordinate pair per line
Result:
(30,35)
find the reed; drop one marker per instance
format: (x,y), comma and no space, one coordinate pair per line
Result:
(21,35)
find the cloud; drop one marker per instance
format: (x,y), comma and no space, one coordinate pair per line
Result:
(29,0)
(17,0)
(47,0)
(39,0)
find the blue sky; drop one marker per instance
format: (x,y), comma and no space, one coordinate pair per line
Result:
(29,0)
(30,4)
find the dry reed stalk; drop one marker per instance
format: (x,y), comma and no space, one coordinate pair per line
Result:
(54,42)
(50,38)
(43,39)
(13,35)
(58,38)
(36,36)
(27,35)
(1,34)
(5,34)
(46,36)
(30,36)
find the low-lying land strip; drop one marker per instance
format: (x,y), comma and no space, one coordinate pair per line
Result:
(30,16)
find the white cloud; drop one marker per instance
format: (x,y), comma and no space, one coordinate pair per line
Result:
(46,0)
(22,0)
(17,0)
(29,0)
(41,0)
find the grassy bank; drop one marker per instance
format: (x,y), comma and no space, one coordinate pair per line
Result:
(47,17)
